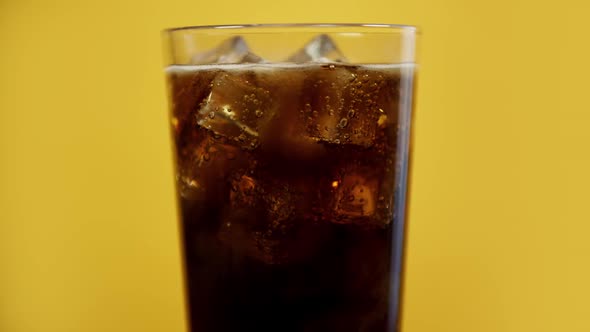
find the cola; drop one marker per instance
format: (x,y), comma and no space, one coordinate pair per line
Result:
(291,181)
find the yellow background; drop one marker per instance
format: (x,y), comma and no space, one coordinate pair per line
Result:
(500,214)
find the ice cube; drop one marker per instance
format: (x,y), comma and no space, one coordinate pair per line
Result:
(257,219)
(189,188)
(233,50)
(285,133)
(243,191)
(285,137)
(236,108)
(349,105)
(187,90)
(356,196)
(361,195)
(263,221)
(204,163)
(320,49)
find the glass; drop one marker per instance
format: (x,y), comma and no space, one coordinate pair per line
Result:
(291,146)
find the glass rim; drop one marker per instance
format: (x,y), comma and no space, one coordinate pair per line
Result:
(393,27)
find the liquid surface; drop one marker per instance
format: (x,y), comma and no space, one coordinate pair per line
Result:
(292,184)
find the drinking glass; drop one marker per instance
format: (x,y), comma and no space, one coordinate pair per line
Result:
(291,148)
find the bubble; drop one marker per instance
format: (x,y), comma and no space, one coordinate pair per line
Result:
(234,106)
(343,123)
(382,120)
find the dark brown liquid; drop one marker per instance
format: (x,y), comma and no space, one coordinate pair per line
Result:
(292,184)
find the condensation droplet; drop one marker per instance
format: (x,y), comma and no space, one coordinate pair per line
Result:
(211,115)
(206,157)
(259,113)
(351,113)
